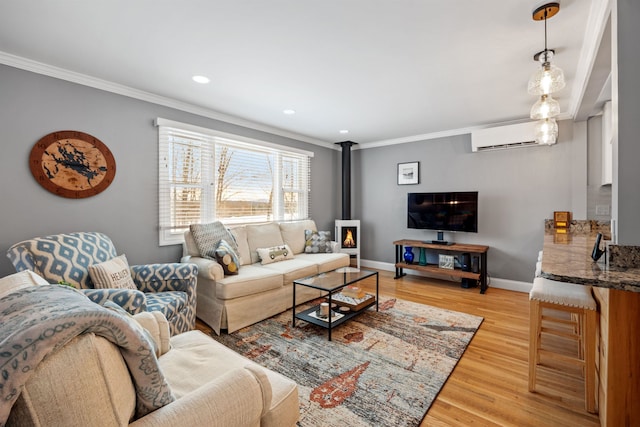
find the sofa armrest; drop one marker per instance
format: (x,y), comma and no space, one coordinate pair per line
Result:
(158,327)
(133,301)
(165,277)
(233,399)
(208,268)
(335,247)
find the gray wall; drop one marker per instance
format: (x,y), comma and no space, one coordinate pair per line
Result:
(33,105)
(626,102)
(518,189)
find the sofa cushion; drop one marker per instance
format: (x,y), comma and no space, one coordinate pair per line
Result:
(207,237)
(167,303)
(112,274)
(206,359)
(227,258)
(240,234)
(292,269)
(274,254)
(326,262)
(317,241)
(293,233)
(262,236)
(253,280)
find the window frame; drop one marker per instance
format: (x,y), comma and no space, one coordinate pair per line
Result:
(169,235)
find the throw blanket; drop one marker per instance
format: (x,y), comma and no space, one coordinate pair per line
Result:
(38,320)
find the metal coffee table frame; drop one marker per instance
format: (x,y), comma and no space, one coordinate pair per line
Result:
(332,282)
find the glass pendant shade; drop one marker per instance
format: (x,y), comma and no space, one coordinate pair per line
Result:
(546,132)
(548,79)
(545,108)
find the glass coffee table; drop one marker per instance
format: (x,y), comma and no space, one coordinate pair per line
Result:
(333,282)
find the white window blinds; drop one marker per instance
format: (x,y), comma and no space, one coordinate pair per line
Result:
(206,176)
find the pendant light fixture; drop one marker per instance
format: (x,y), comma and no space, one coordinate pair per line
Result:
(545,108)
(546,131)
(545,81)
(549,78)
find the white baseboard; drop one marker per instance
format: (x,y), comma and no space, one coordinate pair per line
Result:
(385,266)
(510,285)
(494,282)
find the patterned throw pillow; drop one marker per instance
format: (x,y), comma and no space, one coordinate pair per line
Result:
(274,254)
(207,237)
(317,242)
(112,274)
(227,258)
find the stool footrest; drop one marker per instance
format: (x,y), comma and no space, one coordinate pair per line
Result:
(562,357)
(559,333)
(568,311)
(559,320)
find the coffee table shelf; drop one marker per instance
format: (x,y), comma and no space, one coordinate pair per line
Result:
(305,315)
(332,282)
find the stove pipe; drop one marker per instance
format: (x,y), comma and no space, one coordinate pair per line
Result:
(346,177)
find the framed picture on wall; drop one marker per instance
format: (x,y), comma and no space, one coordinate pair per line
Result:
(408,173)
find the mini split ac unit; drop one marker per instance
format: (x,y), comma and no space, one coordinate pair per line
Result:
(501,137)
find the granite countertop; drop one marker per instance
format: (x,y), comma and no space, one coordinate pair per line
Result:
(567,258)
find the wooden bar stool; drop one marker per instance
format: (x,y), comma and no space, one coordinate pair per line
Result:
(548,299)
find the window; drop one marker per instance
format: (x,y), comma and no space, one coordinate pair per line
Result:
(207,175)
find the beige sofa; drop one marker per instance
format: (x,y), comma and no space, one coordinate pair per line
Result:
(257,291)
(87,383)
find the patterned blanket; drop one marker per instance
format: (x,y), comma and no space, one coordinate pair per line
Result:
(38,320)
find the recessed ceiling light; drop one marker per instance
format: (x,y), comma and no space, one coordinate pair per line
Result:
(201,79)
(343,131)
(289,112)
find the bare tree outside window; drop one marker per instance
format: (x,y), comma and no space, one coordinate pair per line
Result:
(289,178)
(228,182)
(186,190)
(244,184)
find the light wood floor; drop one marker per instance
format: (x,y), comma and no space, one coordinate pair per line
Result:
(489,385)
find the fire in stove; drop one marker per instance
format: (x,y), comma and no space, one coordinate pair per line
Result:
(347,234)
(349,238)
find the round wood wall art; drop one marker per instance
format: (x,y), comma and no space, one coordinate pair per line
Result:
(72,164)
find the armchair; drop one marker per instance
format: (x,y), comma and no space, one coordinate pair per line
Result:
(100,368)
(168,288)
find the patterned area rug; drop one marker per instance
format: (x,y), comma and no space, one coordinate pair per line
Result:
(381,368)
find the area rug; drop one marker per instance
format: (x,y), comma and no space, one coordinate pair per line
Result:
(380,369)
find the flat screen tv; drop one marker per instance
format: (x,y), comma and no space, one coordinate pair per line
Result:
(450,211)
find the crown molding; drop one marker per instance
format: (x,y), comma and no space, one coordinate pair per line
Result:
(446,133)
(422,137)
(107,86)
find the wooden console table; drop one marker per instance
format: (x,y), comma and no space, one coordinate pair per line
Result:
(457,248)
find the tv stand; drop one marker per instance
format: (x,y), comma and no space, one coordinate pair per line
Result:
(440,242)
(453,248)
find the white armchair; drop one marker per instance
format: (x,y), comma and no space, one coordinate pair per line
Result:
(87,381)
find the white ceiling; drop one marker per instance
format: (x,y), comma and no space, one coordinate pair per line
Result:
(386,70)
